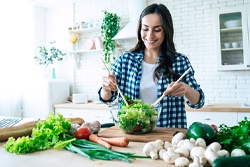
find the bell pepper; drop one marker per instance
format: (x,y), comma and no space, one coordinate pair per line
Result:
(202,130)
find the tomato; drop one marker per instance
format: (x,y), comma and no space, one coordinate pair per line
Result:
(82,133)
(215,128)
(137,128)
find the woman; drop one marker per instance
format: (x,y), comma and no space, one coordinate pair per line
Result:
(151,68)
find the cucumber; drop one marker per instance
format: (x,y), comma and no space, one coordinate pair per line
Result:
(241,161)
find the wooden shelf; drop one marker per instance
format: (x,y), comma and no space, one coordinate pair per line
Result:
(231,49)
(85,30)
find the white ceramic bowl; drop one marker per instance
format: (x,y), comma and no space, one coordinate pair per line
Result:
(232,23)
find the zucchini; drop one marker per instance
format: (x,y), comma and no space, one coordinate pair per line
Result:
(240,161)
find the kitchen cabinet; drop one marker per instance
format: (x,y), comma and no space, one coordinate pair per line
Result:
(217,118)
(232,27)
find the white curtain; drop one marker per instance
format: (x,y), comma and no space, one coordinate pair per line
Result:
(16,53)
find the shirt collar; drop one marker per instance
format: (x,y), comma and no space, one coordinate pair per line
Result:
(140,55)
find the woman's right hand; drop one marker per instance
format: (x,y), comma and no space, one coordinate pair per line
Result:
(109,83)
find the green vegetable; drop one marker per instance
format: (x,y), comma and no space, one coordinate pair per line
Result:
(137,116)
(237,136)
(201,130)
(44,136)
(241,161)
(93,150)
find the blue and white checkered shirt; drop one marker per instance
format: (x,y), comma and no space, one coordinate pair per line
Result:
(128,73)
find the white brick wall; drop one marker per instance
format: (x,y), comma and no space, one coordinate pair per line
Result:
(194,22)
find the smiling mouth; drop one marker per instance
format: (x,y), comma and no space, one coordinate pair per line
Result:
(151,41)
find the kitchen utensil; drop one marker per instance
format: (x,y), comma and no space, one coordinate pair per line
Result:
(157,101)
(119,91)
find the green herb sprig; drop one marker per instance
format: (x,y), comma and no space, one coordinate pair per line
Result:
(237,136)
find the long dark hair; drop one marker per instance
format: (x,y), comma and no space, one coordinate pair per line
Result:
(168,50)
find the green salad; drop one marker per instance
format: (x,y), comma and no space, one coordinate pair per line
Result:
(137,117)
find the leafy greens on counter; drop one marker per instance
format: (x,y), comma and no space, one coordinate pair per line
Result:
(237,136)
(44,136)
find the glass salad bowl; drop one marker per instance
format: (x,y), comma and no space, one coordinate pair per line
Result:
(135,119)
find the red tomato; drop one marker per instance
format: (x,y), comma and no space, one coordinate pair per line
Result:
(82,133)
(215,128)
(137,128)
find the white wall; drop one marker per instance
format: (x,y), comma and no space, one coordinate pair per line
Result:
(194,22)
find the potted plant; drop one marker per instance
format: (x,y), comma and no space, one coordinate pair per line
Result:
(47,57)
(110,26)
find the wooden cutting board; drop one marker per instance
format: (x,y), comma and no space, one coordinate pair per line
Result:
(165,134)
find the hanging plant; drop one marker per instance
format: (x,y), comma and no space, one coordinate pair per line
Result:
(110,27)
(47,57)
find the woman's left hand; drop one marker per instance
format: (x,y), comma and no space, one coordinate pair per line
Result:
(179,89)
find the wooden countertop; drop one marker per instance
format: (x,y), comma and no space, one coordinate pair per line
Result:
(216,107)
(59,158)
(221,107)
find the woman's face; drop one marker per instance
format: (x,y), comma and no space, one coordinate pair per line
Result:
(152,32)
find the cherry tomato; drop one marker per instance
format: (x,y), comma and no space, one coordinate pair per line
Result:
(137,128)
(130,102)
(82,133)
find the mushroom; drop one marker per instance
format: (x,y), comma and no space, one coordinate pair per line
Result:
(215,146)
(161,151)
(199,152)
(200,142)
(153,153)
(167,144)
(180,143)
(237,152)
(223,153)
(170,156)
(177,137)
(210,155)
(189,144)
(182,151)
(196,162)
(151,148)
(181,162)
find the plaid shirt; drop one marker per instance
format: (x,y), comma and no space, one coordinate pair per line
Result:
(128,72)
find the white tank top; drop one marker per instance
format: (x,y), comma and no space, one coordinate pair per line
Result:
(148,88)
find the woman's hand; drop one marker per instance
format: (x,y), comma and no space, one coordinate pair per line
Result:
(176,89)
(108,85)
(182,89)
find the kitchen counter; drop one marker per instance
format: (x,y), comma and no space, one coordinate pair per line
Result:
(221,107)
(59,158)
(216,107)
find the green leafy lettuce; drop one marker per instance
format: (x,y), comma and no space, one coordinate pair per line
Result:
(137,114)
(44,136)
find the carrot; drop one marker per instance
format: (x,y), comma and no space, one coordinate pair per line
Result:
(117,141)
(98,140)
